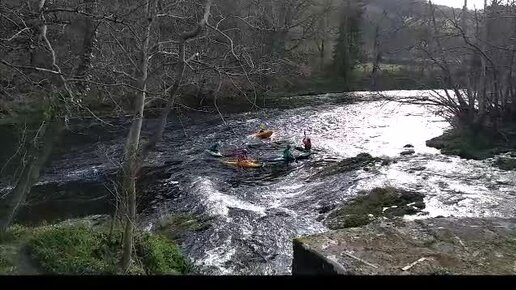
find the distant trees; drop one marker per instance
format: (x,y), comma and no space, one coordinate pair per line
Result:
(348,47)
(477,65)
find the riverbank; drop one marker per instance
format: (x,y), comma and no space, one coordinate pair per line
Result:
(479,146)
(85,246)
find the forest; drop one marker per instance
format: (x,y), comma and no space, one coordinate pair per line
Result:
(108,106)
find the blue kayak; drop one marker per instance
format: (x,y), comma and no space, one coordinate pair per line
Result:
(214,153)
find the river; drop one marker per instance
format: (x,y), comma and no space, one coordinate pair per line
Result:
(257,212)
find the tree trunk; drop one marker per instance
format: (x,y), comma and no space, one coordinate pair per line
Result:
(173,90)
(38,155)
(85,57)
(376,58)
(131,158)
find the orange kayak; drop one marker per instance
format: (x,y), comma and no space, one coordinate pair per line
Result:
(244,163)
(264,135)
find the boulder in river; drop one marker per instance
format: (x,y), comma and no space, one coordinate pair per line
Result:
(361,161)
(385,202)
(408,151)
(506,163)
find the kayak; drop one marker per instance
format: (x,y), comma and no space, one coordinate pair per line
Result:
(278,159)
(214,154)
(305,155)
(244,164)
(264,135)
(300,149)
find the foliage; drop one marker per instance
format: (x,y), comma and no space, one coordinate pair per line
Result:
(86,250)
(161,256)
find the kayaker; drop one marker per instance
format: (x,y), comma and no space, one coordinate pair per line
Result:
(215,147)
(262,128)
(287,154)
(242,155)
(307,143)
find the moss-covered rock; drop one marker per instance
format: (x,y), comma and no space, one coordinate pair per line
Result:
(506,163)
(161,256)
(175,225)
(361,161)
(470,145)
(386,202)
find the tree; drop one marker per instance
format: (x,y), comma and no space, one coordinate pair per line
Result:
(42,71)
(347,50)
(477,66)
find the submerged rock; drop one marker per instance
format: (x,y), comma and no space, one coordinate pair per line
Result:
(408,151)
(386,202)
(361,161)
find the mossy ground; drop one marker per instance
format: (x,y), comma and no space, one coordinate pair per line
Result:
(80,249)
(386,202)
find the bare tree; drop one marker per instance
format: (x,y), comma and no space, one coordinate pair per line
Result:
(476,65)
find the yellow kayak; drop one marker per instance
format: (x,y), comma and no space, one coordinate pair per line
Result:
(244,163)
(264,135)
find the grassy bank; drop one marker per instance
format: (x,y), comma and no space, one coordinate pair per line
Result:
(83,248)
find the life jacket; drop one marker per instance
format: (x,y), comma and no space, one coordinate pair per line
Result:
(308,143)
(287,155)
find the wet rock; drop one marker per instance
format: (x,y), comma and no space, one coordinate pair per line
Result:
(408,151)
(475,145)
(178,224)
(361,161)
(386,162)
(418,168)
(408,146)
(503,182)
(442,184)
(326,208)
(378,203)
(506,163)
(419,204)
